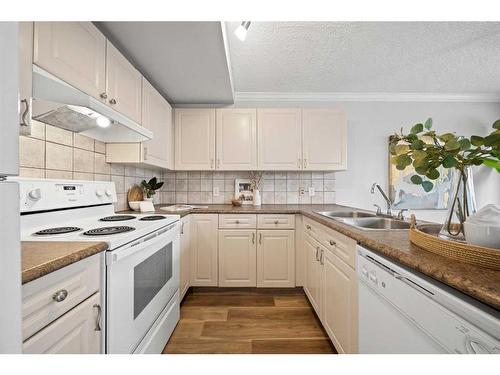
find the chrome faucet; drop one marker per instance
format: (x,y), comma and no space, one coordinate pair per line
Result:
(387,200)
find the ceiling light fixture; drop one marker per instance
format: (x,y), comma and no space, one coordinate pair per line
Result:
(241,30)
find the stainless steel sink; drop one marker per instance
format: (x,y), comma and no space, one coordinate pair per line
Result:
(347,214)
(376,223)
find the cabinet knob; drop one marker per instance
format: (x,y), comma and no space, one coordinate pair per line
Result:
(237,221)
(332,242)
(276,222)
(308,226)
(60,295)
(112,101)
(104,95)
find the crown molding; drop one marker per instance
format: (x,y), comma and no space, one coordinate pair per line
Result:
(240,97)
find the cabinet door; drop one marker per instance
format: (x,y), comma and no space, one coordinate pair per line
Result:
(74,52)
(340,303)
(204,250)
(279,138)
(276,258)
(157,117)
(237,258)
(25,75)
(324,139)
(313,272)
(185,256)
(195,139)
(236,139)
(123,84)
(76,332)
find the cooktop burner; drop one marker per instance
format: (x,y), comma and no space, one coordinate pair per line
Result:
(152,218)
(104,231)
(58,230)
(118,218)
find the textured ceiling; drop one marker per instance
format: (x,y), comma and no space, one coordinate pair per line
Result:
(437,57)
(185,61)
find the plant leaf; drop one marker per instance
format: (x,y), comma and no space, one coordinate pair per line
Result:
(417,144)
(477,140)
(492,163)
(446,137)
(416,179)
(401,149)
(496,124)
(464,144)
(428,124)
(449,161)
(433,174)
(427,185)
(492,140)
(417,128)
(451,145)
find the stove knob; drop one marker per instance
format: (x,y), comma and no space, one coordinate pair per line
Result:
(35,194)
(99,193)
(108,192)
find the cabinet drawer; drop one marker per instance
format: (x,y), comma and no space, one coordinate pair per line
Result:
(39,306)
(276,221)
(311,228)
(342,246)
(237,221)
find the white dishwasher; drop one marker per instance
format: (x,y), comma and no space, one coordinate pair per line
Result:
(401,311)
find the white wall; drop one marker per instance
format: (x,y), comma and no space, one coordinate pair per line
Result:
(371,123)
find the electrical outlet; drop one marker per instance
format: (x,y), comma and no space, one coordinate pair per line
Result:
(302,191)
(216,192)
(311,192)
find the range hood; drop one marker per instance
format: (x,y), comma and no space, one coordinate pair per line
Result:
(59,104)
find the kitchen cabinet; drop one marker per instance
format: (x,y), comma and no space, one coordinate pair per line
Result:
(312,273)
(324,144)
(157,117)
(204,263)
(25,75)
(236,139)
(331,283)
(123,84)
(74,52)
(237,258)
(276,258)
(185,276)
(340,304)
(279,138)
(77,332)
(195,139)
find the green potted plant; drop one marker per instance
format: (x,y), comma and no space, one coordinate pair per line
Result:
(426,151)
(150,187)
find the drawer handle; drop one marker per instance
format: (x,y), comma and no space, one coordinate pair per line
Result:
(333,243)
(308,226)
(260,238)
(112,101)
(322,258)
(317,250)
(237,221)
(253,237)
(98,319)
(60,295)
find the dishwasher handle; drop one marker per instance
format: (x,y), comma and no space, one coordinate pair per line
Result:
(414,285)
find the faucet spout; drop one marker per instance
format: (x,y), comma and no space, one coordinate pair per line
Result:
(384,195)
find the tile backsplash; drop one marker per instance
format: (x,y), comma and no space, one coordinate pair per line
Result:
(277,187)
(51,152)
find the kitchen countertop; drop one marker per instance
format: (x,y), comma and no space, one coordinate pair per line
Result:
(43,257)
(480,283)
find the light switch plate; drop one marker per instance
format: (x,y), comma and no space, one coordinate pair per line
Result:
(311,192)
(216,192)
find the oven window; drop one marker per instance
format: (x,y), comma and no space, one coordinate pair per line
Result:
(150,276)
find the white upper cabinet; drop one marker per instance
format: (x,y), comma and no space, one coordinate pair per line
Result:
(323,139)
(157,117)
(195,139)
(74,52)
(236,139)
(123,84)
(279,138)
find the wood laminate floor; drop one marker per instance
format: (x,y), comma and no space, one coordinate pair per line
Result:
(245,321)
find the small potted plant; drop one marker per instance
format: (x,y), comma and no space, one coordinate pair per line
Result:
(255,181)
(426,151)
(150,188)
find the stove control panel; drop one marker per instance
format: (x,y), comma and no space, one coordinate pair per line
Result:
(45,194)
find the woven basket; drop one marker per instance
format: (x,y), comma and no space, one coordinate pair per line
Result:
(426,237)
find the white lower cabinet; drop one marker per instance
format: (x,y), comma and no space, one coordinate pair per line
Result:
(185,277)
(331,283)
(276,258)
(237,258)
(76,332)
(203,254)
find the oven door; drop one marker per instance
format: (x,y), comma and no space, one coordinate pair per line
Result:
(142,277)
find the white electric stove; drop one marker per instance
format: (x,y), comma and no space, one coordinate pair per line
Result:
(142,261)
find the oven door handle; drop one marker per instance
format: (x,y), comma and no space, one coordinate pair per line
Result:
(164,235)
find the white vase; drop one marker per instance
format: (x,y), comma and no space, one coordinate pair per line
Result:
(257,200)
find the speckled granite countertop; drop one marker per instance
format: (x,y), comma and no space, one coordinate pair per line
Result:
(480,283)
(43,257)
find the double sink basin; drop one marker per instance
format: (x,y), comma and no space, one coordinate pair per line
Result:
(366,220)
